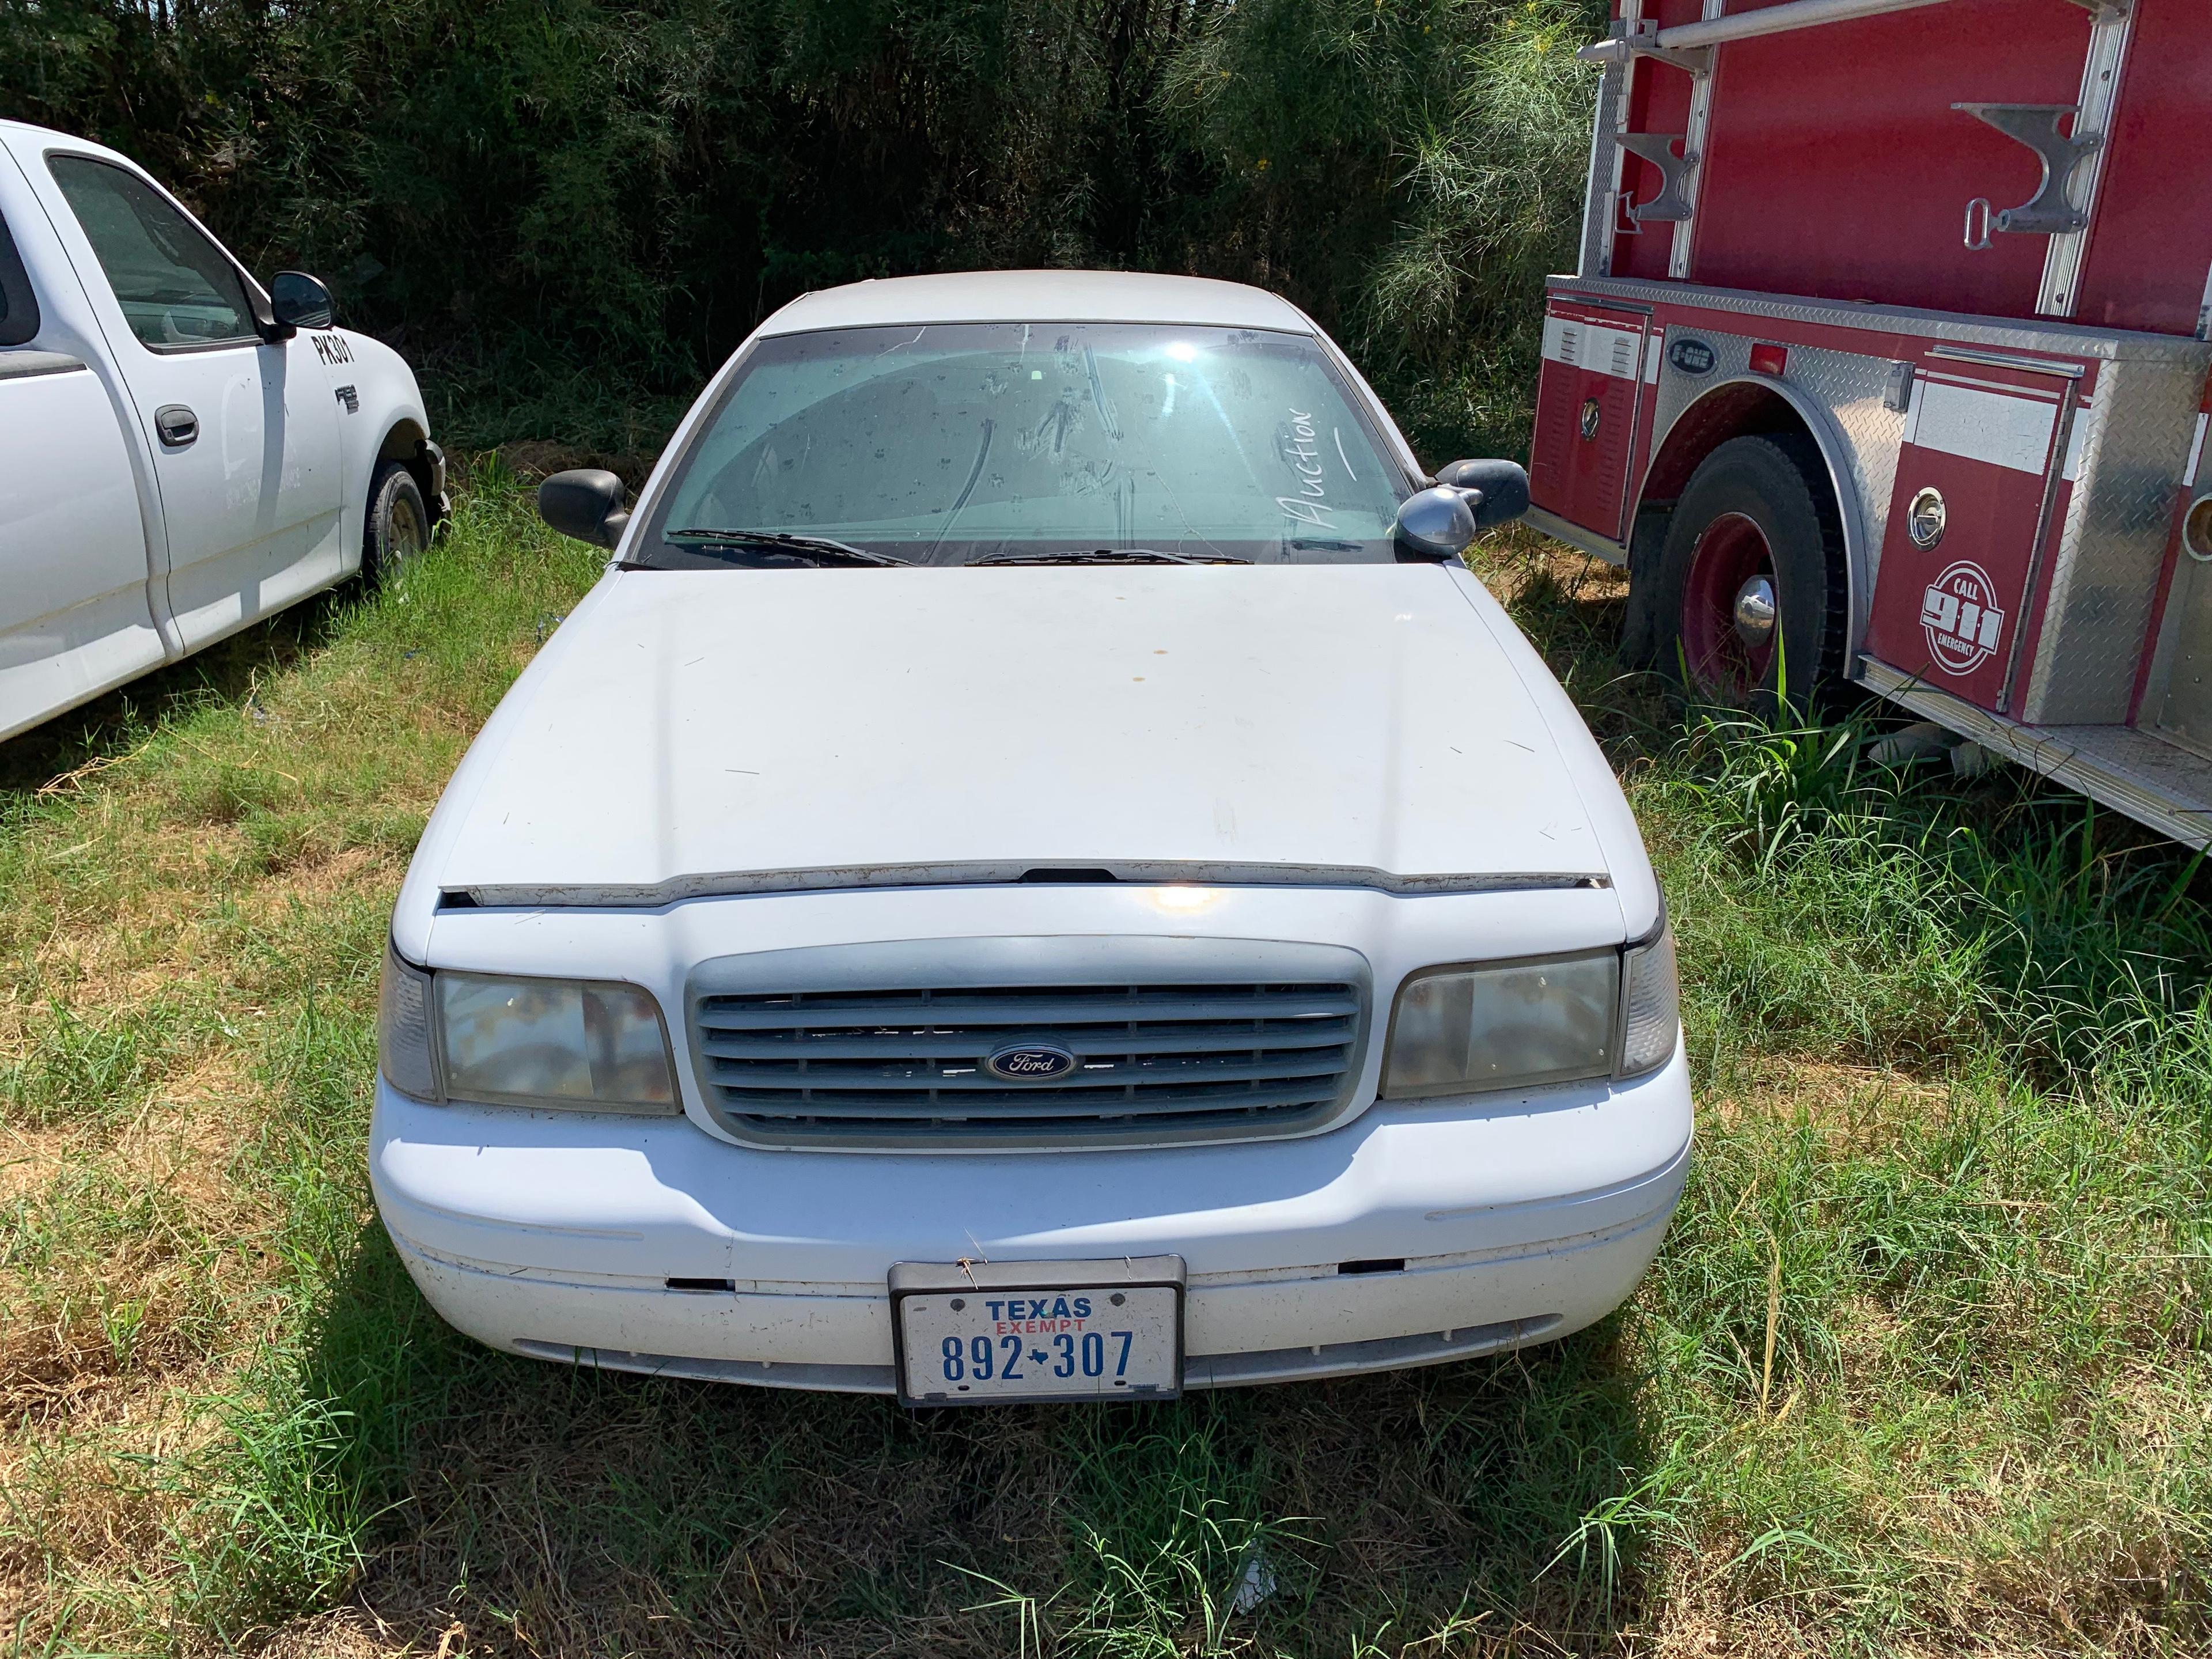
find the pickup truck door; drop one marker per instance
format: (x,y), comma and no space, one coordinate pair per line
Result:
(74,617)
(243,432)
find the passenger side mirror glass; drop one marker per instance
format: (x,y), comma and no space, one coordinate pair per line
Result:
(585,503)
(1502,488)
(299,301)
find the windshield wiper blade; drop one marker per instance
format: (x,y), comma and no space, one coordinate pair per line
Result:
(821,549)
(1110,555)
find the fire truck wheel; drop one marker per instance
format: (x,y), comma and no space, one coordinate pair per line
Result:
(1747,601)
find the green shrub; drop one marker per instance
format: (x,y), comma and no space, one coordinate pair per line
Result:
(568,212)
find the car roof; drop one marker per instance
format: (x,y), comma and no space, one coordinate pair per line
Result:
(19,130)
(1054,296)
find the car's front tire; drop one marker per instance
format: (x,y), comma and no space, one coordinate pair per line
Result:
(399,525)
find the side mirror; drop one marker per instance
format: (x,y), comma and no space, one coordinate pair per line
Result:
(1434,524)
(299,301)
(585,503)
(1502,489)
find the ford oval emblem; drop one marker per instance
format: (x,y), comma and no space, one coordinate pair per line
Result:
(1691,356)
(1030,1062)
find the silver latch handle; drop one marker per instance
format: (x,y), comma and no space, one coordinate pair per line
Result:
(1977,243)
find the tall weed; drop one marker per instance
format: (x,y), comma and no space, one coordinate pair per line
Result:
(1955,908)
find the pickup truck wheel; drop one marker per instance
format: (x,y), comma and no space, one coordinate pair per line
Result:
(399,522)
(1748,599)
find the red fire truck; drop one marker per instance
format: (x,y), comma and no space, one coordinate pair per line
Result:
(1887,361)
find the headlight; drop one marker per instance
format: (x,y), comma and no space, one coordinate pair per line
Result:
(581,1045)
(1460,1030)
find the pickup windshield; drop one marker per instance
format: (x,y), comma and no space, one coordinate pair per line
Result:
(1056,442)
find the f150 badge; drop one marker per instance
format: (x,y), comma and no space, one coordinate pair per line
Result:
(1959,615)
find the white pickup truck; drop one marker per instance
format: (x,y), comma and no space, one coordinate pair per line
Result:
(1038,873)
(185,452)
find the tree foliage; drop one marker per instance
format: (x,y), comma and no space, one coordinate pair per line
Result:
(578,201)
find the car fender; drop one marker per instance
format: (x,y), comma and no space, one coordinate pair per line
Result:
(382,420)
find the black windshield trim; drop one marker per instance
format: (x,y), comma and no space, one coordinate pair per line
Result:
(1107,556)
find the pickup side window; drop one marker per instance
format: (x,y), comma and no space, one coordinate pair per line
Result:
(177,288)
(19,306)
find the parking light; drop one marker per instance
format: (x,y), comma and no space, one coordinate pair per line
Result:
(1651,1014)
(403,1029)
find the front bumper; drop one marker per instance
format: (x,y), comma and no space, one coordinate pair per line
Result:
(1468,1226)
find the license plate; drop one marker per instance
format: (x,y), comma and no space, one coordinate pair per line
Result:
(978,1332)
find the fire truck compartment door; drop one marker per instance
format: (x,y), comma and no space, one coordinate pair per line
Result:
(1587,406)
(1965,517)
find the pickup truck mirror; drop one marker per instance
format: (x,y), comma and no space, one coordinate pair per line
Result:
(1501,486)
(299,301)
(1434,524)
(585,503)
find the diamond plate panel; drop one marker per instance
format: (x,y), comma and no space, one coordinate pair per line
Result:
(1597,198)
(1863,441)
(2179,695)
(1678,391)
(2133,444)
(1849,387)
(2003,333)
(2152,781)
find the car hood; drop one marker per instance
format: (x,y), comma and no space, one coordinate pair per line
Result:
(692,732)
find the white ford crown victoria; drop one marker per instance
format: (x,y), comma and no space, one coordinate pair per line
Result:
(1036,874)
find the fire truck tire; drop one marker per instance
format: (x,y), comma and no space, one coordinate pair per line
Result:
(1746,600)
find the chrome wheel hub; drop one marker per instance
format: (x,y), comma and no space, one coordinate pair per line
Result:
(1755,612)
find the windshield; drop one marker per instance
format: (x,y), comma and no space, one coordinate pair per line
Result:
(954,444)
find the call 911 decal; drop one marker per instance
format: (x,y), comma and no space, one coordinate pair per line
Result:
(1958,614)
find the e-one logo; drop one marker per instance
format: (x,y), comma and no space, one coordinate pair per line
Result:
(1959,613)
(1691,356)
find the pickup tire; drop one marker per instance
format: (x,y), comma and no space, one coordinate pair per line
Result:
(399,525)
(1746,602)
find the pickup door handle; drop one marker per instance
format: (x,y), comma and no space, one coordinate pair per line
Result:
(178,425)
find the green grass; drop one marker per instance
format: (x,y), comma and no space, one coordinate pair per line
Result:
(1922,1368)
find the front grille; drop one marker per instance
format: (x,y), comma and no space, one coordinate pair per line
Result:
(1152,1061)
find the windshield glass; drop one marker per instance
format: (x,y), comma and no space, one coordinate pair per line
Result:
(952,444)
